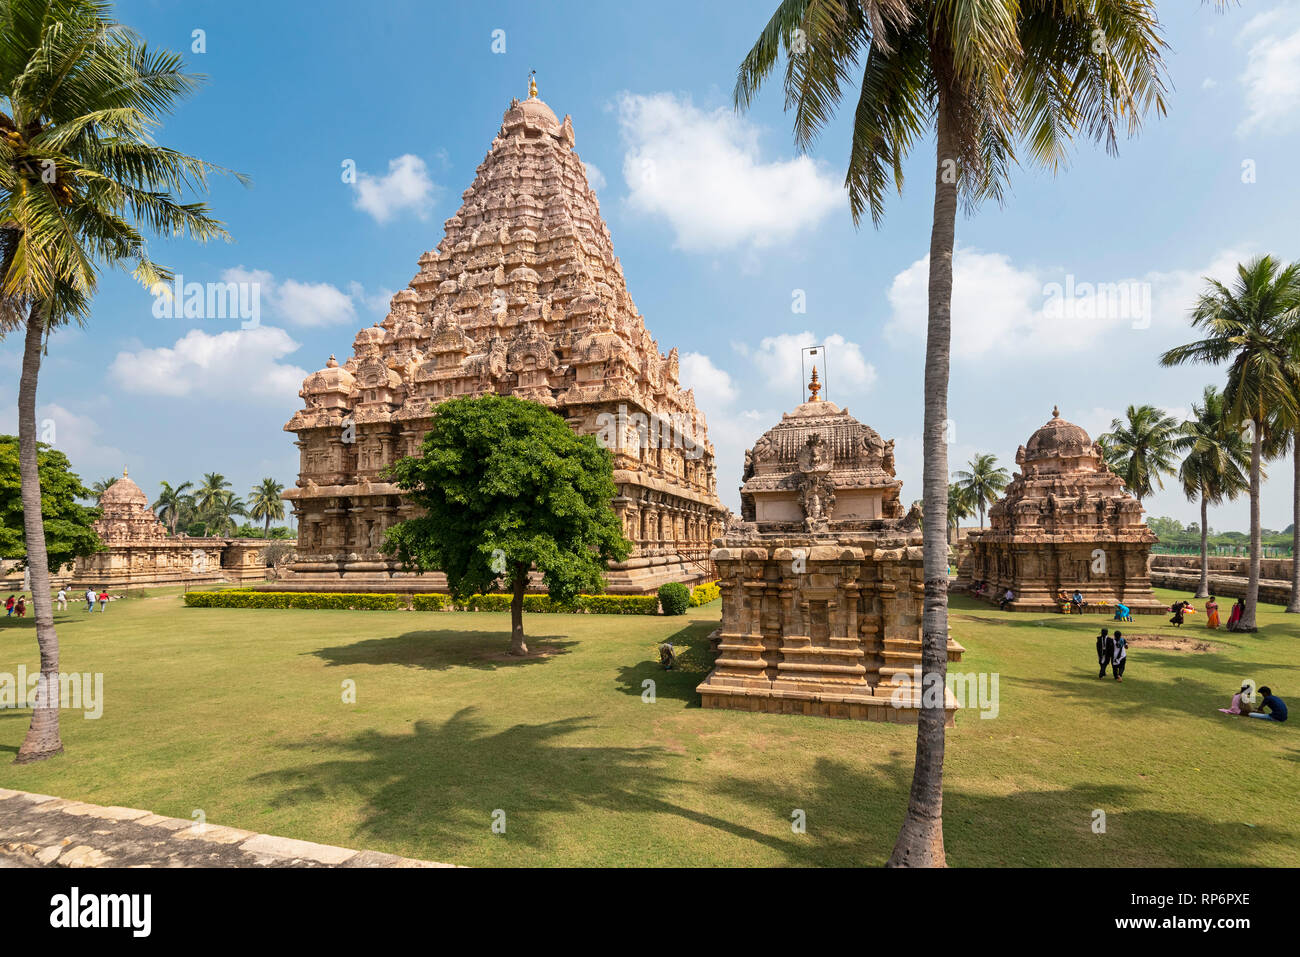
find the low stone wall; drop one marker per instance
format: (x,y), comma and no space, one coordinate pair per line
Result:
(1274,569)
(1271,592)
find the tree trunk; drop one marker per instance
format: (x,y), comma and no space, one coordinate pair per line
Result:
(920,842)
(42,739)
(1247,622)
(1293,606)
(1203,587)
(517,646)
(266,528)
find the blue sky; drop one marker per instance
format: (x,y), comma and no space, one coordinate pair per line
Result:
(722,229)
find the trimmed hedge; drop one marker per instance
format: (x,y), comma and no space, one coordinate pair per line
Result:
(674,598)
(704,593)
(359,601)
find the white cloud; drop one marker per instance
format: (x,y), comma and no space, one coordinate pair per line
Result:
(778,367)
(1272,75)
(595,178)
(406,186)
(703,172)
(309,304)
(1209,83)
(712,385)
(75,435)
(997,305)
(241,363)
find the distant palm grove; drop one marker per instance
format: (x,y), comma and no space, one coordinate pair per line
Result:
(209,509)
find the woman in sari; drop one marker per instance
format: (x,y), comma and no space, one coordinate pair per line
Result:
(1235,617)
(1211,613)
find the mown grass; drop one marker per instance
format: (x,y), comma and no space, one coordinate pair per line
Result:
(240,713)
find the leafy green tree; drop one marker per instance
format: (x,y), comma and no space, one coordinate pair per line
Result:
(1216,463)
(175,506)
(264,502)
(983,481)
(81,180)
(1253,326)
(985,78)
(1140,448)
(68,531)
(506,486)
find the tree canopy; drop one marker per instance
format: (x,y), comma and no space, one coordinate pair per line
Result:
(68,532)
(506,486)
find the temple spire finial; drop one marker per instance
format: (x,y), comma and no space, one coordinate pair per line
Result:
(814,387)
(532,84)
(1056,411)
(123,471)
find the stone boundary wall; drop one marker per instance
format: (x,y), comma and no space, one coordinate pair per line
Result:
(1271,592)
(1274,569)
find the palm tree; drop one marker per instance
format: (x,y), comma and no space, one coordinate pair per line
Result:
(101,486)
(174,504)
(80,176)
(1140,448)
(986,77)
(220,512)
(209,493)
(960,505)
(264,502)
(1215,465)
(1254,326)
(983,482)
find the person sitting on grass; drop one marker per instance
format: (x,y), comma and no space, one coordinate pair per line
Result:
(1240,702)
(1007,598)
(1272,708)
(1119,658)
(1077,601)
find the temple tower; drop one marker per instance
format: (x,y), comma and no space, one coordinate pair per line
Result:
(522,296)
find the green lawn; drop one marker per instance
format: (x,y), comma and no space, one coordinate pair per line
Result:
(239,713)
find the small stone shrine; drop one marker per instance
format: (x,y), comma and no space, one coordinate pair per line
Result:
(1064,523)
(822,581)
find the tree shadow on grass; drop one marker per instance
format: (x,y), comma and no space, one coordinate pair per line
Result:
(852,818)
(438,785)
(445,649)
(693,663)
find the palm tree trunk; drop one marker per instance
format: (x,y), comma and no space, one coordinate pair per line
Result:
(517,645)
(1203,587)
(266,528)
(1247,622)
(920,841)
(42,739)
(1293,606)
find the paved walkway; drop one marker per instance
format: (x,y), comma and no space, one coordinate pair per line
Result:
(40,830)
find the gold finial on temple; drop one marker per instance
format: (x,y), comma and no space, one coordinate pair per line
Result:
(532,85)
(814,387)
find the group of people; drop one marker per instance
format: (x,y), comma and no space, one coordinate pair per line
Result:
(19,607)
(1212,613)
(1271,707)
(1073,604)
(1112,651)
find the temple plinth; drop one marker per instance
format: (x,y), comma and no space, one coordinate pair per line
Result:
(1065,523)
(822,579)
(523,296)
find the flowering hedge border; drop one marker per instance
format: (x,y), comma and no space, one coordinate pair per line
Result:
(364,601)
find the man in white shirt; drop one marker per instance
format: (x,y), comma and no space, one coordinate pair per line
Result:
(90,599)
(63,600)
